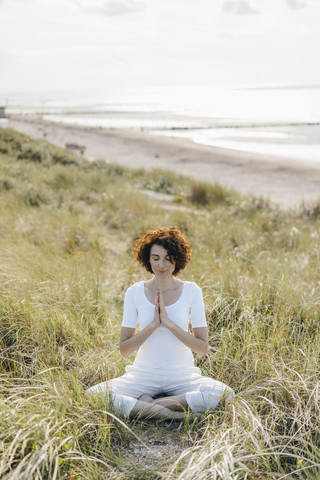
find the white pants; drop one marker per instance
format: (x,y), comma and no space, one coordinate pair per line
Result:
(202,393)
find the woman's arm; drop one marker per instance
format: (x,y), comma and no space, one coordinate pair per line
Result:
(129,342)
(198,342)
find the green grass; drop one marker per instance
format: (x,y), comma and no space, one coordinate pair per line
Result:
(66,232)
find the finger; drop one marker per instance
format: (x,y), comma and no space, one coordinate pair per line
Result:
(158,302)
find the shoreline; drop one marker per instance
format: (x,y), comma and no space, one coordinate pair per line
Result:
(286,182)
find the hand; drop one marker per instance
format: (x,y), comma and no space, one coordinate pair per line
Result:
(164,319)
(156,317)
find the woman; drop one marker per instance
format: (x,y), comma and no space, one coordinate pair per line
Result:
(164,365)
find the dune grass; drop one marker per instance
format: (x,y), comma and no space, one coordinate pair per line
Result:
(66,231)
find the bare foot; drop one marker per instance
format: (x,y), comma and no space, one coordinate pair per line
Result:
(150,411)
(176,402)
(145,398)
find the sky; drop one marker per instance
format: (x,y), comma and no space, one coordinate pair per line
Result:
(96,45)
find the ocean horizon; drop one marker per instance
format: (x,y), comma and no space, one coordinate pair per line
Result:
(252,118)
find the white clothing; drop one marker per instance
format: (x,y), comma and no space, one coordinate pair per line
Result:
(163,365)
(202,393)
(163,350)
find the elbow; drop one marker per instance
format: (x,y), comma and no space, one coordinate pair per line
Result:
(123,351)
(204,350)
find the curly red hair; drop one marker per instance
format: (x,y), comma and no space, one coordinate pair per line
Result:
(169,238)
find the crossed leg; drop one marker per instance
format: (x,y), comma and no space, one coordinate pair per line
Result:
(166,408)
(174,402)
(188,396)
(206,397)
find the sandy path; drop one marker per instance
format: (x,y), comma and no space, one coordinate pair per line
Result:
(283,181)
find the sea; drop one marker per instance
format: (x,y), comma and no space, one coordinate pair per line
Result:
(272,119)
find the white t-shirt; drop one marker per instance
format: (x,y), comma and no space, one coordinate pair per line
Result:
(163,350)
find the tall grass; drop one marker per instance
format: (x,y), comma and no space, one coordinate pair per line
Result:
(67,227)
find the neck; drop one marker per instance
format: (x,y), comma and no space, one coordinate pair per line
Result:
(162,283)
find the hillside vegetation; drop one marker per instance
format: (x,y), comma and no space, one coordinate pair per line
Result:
(66,232)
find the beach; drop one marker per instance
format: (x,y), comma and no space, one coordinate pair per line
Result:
(283,181)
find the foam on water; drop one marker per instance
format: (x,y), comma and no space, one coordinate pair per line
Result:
(291,151)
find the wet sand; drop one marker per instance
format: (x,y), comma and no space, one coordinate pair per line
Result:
(282,181)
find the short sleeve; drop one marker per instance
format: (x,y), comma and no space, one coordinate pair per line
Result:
(130,311)
(197,312)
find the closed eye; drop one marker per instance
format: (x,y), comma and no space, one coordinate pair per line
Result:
(158,258)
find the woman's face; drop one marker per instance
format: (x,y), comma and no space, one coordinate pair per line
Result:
(160,261)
